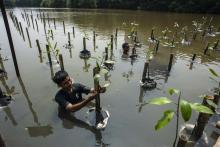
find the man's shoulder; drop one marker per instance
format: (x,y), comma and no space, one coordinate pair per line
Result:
(59,94)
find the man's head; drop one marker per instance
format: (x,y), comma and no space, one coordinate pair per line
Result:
(62,79)
(125,47)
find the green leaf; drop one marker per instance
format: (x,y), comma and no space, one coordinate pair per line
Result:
(104,71)
(211,103)
(97,65)
(159,101)
(186,110)
(167,117)
(106,85)
(96,77)
(171,91)
(109,62)
(201,108)
(213,72)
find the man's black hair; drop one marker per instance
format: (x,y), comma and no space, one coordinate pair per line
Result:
(60,76)
(124,45)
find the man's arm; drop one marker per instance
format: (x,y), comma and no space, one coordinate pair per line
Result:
(75,107)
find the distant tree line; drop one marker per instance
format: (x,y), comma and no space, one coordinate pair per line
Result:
(200,6)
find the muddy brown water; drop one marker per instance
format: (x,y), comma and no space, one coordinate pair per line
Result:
(32,118)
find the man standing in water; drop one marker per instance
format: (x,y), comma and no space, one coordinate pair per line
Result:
(69,96)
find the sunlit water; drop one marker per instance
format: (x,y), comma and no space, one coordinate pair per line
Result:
(32,118)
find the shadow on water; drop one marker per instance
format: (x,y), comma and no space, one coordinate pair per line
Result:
(69,121)
(38,130)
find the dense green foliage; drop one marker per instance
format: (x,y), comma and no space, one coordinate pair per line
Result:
(201,6)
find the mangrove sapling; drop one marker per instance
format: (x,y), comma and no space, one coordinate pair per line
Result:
(133,30)
(176,27)
(185,40)
(165,32)
(52,48)
(185,107)
(101,115)
(152,38)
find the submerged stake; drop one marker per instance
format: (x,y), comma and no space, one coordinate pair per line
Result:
(64,28)
(111,42)
(69,39)
(146,66)
(38,46)
(170,62)
(84,43)
(48,54)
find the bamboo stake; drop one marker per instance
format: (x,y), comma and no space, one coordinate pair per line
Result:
(48,55)
(4,15)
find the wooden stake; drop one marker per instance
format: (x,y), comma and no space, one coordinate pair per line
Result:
(21,30)
(64,30)
(4,15)
(84,43)
(106,53)
(61,62)
(111,42)
(28,37)
(116,33)
(48,55)
(96,86)
(157,46)
(146,67)
(193,58)
(69,41)
(73,32)
(38,46)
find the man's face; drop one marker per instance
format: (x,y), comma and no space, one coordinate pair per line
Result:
(66,83)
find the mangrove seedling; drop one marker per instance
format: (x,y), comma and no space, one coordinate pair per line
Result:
(185,107)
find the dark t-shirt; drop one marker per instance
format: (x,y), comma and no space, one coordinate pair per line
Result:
(63,97)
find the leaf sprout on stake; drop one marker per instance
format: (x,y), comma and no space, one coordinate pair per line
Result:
(149,55)
(183,106)
(101,70)
(85,35)
(53,48)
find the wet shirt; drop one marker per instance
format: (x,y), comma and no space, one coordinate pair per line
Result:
(63,97)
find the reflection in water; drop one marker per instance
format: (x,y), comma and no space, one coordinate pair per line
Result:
(9,91)
(86,65)
(7,110)
(69,121)
(35,131)
(34,114)
(2,143)
(141,96)
(41,58)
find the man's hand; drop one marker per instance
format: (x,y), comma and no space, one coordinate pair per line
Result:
(92,95)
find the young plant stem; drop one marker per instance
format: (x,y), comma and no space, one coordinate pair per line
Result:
(177,120)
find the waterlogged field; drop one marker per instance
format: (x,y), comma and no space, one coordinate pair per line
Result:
(33,119)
